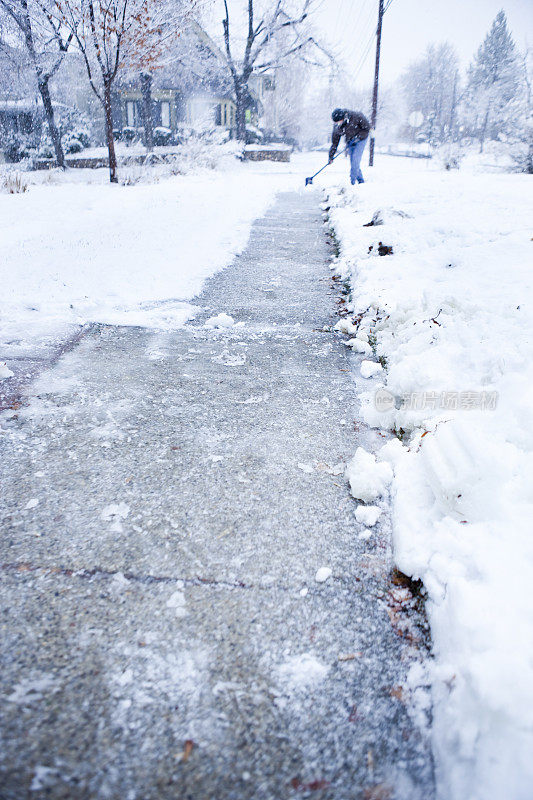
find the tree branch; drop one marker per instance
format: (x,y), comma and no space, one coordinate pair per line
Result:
(225,24)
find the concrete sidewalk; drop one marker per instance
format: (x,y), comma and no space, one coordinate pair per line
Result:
(167,500)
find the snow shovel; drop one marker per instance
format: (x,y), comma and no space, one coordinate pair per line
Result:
(309,181)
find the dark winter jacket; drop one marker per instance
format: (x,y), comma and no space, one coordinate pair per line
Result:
(354,126)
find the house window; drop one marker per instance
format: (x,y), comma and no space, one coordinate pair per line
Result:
(131,115)
(225,114)
(165,114)
(218,114)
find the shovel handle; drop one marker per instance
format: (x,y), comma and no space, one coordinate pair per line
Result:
(310,180)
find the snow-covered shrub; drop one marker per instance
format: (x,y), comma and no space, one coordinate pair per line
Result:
(75,129)
(14,183)
(45,149)
(162,136)
(133,174)
(17,148)
(523,159)
(253,135)
(73,146)
(449,155)
(198,153)
(52,177)
(128,134)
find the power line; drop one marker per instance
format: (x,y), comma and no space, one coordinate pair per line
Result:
(367,37)
(364,56)
(360,30)
(362,6)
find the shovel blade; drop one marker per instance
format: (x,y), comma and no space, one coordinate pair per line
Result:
(308,181)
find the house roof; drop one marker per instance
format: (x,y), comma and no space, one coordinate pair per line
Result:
(22,105)
(209,43)
(26,105)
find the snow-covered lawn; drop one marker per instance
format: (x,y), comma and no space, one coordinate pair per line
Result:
(451,312)
(77,252)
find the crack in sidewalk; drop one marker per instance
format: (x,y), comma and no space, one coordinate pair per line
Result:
(348,583)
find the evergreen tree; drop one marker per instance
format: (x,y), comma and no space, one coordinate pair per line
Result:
(493,84)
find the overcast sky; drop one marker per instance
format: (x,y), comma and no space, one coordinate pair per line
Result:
(410,25)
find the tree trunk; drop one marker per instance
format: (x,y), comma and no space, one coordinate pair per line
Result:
(240,115)
(147,110)
(50,119)
(110,139)
(453,108)
(42,82)
(483,132)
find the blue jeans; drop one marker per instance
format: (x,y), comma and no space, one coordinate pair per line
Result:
(355,151)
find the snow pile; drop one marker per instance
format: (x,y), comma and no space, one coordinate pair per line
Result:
(368,478)
(220,321)
(323,574)
(370,368)
(5,372)
(301,673)
(178,602)
(452,311)
(359,346)
(368,515)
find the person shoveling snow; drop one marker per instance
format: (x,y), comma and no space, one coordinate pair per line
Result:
(355,127)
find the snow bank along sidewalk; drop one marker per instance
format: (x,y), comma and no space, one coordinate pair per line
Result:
(445,323)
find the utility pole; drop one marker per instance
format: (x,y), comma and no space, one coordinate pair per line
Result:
(376,83)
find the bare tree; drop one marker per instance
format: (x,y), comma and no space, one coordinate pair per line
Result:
(46,43)
(146,80)
(171,18)
(430,85)
(277,23)
(113,35)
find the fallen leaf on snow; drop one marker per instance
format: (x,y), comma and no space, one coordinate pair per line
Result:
(187,750)
(349,656)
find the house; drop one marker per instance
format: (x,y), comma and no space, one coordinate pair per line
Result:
(23,116)
(198,108)
(172,109)
(181,99)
